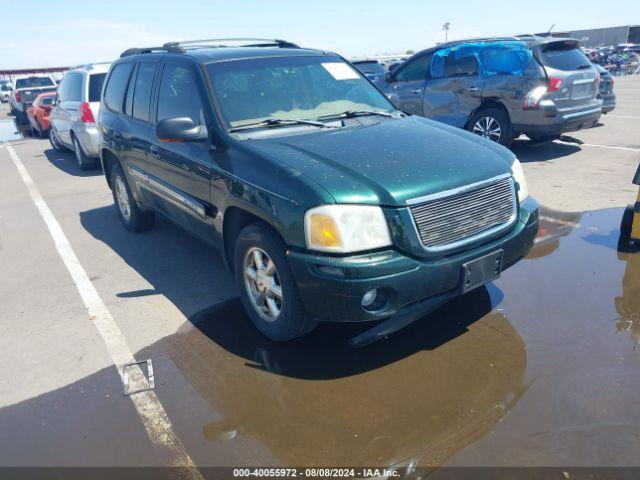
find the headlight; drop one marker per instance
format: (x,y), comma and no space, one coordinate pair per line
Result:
(518,175)
(346,228)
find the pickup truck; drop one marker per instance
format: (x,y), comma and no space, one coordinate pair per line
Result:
(26,91)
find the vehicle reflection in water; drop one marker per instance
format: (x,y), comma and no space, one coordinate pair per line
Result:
(554,225)
(628,304)
(416,398)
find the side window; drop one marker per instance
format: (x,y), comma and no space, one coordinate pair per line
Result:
(74,87)
(95,86)
(116,86)
(62,89)
(178,95)
(142,90)
(414,70)
(450,66)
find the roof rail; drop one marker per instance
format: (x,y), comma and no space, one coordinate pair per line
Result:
(218,42)
(89,65)
(168,49)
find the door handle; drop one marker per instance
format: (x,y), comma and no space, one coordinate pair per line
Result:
(416,91)
(154,152)
(472,89)
(184,166)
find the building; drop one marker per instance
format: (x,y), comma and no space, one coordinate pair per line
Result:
(600,37)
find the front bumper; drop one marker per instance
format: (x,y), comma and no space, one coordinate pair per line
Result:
(332,287)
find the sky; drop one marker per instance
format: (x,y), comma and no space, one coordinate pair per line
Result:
(72,32)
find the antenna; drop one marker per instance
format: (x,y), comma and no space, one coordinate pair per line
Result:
(550,28)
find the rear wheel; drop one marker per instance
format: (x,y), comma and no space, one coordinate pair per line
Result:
(84,162)
(267,287)
(493,124)
(132,217)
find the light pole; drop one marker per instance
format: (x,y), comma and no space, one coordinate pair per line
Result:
(445,27)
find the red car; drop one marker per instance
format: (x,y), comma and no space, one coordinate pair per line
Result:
(38,113)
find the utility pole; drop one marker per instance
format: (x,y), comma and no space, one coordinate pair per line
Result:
(445,27)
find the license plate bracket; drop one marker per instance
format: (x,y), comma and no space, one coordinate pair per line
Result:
(476,273)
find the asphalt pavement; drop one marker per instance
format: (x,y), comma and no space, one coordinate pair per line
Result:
(540,368)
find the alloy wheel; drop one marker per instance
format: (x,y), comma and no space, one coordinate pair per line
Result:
(262,283)
(122,198)
(488,127)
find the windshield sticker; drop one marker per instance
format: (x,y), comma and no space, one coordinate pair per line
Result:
(340,71)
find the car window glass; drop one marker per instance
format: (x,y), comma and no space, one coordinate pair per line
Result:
(450,66)
(564,57)
(416,69)
(142,90)
(46,101)
(116,86)
(95,86)
(31,82)
(128,103)
(74,87)
(178,95)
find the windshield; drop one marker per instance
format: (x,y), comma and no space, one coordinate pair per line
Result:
(292,88)
(34,82)
(563,56)
(47,101)
(369,67)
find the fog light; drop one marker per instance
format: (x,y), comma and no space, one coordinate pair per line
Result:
(369,297)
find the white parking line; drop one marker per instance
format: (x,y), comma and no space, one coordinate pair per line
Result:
(629,149)
(151,412)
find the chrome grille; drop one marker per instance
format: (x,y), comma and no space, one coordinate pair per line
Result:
(464,216)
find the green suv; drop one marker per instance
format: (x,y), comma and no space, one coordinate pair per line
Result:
(326,202)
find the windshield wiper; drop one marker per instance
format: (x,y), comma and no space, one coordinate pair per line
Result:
(355,113)
(277,122)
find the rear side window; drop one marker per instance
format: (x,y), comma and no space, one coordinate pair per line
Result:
(71,88)
(178,95)
(114,93)
(95,86)
(416,69)
(142,90)
(564,56)
(369,67)
(46,101)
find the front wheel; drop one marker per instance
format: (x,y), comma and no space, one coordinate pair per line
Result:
(493,124)
(132,217)
(267,287)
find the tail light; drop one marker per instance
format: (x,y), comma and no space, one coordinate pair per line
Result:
(532,99)
(555,84)
(86,115)
(18,99)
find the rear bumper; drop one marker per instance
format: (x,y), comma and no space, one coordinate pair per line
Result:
(89,138)
(608,101)
(332,287)
(551,121)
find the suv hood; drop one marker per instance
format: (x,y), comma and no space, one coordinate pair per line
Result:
(390,162)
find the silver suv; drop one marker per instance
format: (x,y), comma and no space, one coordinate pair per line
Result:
(73,119)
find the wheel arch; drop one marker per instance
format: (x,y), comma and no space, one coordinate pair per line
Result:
(489,102)
(108,159)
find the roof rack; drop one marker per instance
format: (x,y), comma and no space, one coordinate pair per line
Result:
(181,47)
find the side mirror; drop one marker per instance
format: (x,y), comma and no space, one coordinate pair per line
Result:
(180,129)
(388,77)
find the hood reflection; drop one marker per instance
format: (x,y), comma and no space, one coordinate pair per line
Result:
(422,395)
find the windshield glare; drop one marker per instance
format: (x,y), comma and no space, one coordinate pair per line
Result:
(292,88)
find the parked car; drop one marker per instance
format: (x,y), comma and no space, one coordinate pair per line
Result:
(372,69)
(6,87)
(605,90)
(73,119)
(38,113)
(27,89)
(555,92)
(326,202)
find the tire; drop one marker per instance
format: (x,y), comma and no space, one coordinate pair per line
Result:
(489,120)
(292,321)
(84,162)
(132,217)
(55,141)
